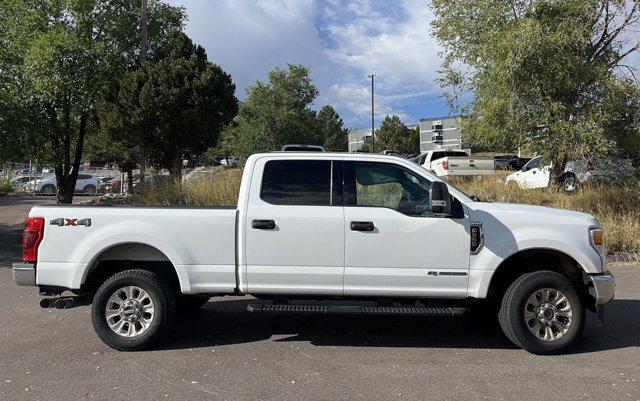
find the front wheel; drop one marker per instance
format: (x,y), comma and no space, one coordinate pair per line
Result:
(542,312)
(89,190)
(132,309)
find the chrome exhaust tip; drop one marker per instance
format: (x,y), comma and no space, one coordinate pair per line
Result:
(46,303)
(61,303)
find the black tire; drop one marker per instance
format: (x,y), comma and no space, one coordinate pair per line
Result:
(48,190)
(512,312)
(190,303)
(89,190)
(164,305)
(570,184)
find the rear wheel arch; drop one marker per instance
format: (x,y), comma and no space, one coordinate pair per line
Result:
(126,256)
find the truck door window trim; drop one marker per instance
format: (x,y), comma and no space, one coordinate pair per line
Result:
(334,189)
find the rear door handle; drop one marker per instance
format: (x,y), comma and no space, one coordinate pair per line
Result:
(264,224)
(362,226)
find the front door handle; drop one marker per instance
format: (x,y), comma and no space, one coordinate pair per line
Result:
(264,224)
(362,226)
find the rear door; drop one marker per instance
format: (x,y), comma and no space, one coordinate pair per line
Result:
(294,228)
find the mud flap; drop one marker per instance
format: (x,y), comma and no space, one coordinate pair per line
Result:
(600,313)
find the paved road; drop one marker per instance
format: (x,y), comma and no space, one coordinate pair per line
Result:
(223,352)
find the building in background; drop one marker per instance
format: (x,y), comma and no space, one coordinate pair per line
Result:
(357,138)
(440,133)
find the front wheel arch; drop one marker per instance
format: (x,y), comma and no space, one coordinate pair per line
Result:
(537,259)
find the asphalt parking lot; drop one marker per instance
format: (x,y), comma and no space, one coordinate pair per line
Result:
(223,352)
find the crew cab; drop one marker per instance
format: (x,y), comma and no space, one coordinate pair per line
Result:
(451,162)
(323,232)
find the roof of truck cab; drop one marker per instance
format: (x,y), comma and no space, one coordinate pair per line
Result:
(321,155)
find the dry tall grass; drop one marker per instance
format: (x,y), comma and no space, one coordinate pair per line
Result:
(617,208)
(218,189)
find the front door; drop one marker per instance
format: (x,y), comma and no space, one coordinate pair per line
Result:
(294,228)
(394,246)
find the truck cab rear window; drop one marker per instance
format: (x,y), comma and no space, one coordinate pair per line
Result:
(297,182)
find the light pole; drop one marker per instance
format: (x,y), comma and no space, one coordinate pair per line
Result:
(373,128)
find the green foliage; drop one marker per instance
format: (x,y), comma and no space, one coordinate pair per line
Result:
(177,103)
(331,129)
(5,187)
(541,71)
(414,141)
(393,135)
(274,114)
(56,57)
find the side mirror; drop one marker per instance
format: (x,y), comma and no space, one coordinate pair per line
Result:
(440,199)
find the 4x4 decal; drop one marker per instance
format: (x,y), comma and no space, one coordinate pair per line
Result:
(70,222)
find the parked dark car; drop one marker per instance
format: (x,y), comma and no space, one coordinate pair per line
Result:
(509,162)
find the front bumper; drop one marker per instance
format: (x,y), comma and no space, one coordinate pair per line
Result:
(603,287)
(24,273)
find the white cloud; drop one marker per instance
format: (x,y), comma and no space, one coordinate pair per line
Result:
(340,41)
(248,39)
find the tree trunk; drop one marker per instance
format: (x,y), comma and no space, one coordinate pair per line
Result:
(72,175)
(557,168)
(61,183)
(129,179)
(176,170)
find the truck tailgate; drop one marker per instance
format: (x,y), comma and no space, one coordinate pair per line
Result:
(470,166)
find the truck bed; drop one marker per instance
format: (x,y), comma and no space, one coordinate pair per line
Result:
(466,166)
(199,242)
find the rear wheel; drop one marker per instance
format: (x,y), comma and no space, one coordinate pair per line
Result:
(49,190)
(542,312)
(132,309)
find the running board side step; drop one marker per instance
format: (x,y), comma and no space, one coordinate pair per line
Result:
(353,309)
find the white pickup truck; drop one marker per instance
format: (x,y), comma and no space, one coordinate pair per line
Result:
(537,173)
(448,162)
(323,233)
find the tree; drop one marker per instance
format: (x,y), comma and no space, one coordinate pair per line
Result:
(55,59)
(274,114)
(393,135)
(176,103)
(331,129)
(414,140)
(540,70)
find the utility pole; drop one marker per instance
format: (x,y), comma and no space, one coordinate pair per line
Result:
(373,124)
(144,46)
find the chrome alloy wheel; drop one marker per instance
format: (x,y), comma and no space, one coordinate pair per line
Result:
(129,311)
(548,314)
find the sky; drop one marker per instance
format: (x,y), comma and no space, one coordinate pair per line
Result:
(341,41)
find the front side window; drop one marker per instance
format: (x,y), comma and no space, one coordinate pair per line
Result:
(387,185)
(297,182)
(534,163)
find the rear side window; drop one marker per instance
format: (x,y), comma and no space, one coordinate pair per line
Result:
(84,177)
(297,182)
